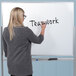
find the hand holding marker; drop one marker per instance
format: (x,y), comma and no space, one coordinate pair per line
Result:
(43,26)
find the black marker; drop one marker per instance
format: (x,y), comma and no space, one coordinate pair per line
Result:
(53,59)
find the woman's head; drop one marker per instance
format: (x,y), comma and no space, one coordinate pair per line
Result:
(16,19)
(17,16)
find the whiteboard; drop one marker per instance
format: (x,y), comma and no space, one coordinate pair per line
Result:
(59,17)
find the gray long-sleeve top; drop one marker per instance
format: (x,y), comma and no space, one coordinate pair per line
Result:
(18,51)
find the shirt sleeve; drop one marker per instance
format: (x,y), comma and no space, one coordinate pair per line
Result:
(4,45)
(33,38)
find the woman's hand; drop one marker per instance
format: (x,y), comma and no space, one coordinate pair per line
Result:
(43,26)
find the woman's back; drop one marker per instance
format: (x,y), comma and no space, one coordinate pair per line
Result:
(18,51)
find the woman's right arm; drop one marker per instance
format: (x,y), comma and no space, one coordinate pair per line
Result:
(37,39)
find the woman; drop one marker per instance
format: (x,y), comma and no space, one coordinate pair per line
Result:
(17,41)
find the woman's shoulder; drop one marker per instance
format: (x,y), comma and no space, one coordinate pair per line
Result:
(4,31)
(5,28)
(27,28)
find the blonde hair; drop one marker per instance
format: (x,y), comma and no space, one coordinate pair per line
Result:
(15,20)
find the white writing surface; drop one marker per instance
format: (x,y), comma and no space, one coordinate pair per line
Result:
(59,17)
